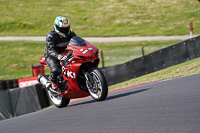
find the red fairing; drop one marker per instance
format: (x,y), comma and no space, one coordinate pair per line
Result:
(43,61)
(85,53)
(88,53)
(70,72)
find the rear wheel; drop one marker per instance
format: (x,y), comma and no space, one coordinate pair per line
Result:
(98,88)
(58,101)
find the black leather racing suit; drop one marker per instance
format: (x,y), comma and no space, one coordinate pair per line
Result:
(55,44)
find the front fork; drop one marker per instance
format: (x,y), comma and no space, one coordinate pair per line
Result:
(89,81)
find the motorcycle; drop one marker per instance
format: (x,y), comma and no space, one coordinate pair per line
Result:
(80,76)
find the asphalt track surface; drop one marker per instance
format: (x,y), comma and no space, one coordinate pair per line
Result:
(167,106)
(101,39)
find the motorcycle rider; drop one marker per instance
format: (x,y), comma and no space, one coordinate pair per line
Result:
(56,43)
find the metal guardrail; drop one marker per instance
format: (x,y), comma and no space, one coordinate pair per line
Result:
(158,60)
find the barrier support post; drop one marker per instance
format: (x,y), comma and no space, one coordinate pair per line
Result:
(102,60)
(142,50)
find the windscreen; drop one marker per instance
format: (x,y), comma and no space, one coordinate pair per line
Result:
(77,41)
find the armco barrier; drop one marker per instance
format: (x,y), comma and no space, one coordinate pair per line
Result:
(8,84)
(163,58)
(193,47)
(19,101)
(24,100)
(2,85)
(6,110)
(44,100)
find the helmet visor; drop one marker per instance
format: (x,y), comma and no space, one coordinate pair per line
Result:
(64,30)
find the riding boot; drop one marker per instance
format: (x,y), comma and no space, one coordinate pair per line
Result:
(54,84)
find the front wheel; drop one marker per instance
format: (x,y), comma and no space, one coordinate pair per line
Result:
(98,88)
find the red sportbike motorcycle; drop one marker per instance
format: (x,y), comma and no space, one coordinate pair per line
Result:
(81,76)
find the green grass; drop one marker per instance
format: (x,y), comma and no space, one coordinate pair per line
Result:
(16,58)
(101,17)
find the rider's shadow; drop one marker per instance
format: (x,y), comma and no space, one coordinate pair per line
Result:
(126,94)
(112,97)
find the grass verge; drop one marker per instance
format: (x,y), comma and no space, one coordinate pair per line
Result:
(101,17)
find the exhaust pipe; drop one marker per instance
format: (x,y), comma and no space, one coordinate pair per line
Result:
(41,79)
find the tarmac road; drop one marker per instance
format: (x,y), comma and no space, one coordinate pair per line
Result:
(101,39)
(168,106)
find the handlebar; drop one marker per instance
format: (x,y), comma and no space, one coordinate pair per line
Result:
(70,56)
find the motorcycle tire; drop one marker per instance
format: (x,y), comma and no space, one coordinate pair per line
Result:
(100,82)
(58,101)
